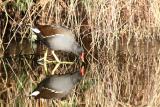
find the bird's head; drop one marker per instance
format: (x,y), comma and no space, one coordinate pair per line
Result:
(82,71)
(82,56)
(80,52)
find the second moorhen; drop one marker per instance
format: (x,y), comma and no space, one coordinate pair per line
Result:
(57,86)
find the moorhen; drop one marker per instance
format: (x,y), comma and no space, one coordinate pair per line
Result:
(57,86)
(58,38)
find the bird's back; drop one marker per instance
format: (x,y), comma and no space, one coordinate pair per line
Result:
(48,30)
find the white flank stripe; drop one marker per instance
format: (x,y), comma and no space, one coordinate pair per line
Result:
(56,35)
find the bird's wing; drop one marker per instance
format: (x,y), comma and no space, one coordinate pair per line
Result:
(52,90)
(55,35)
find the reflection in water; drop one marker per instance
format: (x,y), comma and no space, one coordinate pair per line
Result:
(131,60)
(20,48)
(19,68)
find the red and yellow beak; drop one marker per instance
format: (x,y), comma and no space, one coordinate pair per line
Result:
(82,71)
(82,56)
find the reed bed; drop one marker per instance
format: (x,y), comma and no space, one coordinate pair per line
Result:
(121,39)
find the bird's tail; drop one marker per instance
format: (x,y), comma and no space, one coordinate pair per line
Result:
(39,35)
(37,32)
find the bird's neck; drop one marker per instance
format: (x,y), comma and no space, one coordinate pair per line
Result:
(76,77)
(75,49)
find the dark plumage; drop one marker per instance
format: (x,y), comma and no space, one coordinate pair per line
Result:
(57,86)
(58,38)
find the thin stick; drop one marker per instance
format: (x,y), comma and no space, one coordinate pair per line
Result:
(45,60)
(55,68)
(61,62)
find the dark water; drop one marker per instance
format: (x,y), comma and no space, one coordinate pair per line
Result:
(20,72)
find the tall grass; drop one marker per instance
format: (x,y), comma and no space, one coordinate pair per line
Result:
(121,40)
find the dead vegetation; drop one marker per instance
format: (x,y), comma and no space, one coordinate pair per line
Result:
(121,40)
